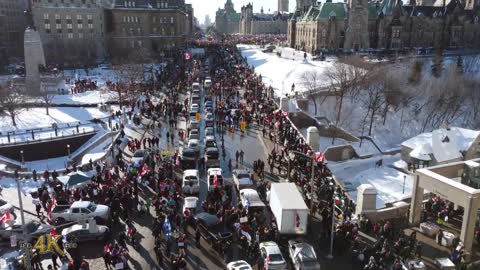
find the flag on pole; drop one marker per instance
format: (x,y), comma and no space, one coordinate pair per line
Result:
(6,217)
(319,157)
(215,180)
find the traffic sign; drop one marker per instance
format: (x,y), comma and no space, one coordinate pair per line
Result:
(197,116)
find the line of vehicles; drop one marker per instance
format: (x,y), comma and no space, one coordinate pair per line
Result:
(284,200)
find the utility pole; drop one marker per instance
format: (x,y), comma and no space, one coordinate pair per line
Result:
(27,262)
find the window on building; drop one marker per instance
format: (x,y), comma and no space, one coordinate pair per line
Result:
(45,16)
(124,19)
(80,26)
(171,19)
(69,26)
(80,35)
(47,28)
(154,19)
(128,19)
(140,43)
(58,26)
(154,30)
(139,31)
(132,44)
(90,26)
(70,35)
(396,33)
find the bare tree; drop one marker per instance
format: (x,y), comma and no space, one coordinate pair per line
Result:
(311,80)
(346,77)
(47,95)
(373,98)
(12,101)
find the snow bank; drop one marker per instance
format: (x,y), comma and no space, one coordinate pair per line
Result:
(281,73)
(388,181)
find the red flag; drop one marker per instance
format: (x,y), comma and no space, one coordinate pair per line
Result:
(319,157)
(187,56)
(6,217)
(53,233)
(285,113)
(107,248)
(215,180)
(51,208)
(144,169)
(297,220)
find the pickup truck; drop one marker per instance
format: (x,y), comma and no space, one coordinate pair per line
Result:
(80,210)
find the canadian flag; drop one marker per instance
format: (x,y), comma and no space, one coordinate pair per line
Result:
(107,248)
(215,180)
(267,262)
(319,157)
(6,217)
(187,56)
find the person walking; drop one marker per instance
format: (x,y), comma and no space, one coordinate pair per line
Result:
(241,156)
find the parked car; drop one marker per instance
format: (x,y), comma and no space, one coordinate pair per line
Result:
(271,256)
(207,83)
(194,108)
(195,99)
(191,182)
(139,158)
(250,199)
(209,116)
(188,158)
(190,204)
(209,131)
(86,232)
(239,265)
(33,227)
(210,142)
(194,144)
(211,158)
(302,255)
(194,124)
(80,210)
(210,228)
(194,134)
(213,173)
(241,179)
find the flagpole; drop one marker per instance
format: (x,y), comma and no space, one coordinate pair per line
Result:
(27,262)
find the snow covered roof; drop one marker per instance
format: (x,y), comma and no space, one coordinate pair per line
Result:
(472,164)
(445,144)
(422,152)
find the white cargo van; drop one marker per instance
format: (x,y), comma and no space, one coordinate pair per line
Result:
(289,209)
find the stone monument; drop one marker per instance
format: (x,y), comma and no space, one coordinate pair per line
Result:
(34,56)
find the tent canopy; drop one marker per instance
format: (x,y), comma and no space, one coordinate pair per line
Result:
(75,179)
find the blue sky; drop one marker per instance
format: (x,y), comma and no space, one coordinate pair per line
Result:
(204,7)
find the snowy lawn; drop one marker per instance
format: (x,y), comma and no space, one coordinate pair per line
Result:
(37,117)
(388,181)
(281,73)
(88,97)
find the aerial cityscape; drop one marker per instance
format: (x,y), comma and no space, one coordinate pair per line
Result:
(236,134)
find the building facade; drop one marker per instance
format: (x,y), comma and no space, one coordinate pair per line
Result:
(72,32)
(227,20)
(154,26)
(13,19)
(384,25)
(3,43)
(255,24)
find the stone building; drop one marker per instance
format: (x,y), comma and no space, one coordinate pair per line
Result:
(72,32)
(384,25)
(3,43)
(13,19)
(152,25)
(261,23)
(227,20)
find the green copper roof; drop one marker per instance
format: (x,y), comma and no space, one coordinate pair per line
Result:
(233,16)
(337,10)
(311,14)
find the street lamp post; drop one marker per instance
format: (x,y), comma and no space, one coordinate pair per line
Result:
(23,157)
(27,262)
(68,151)
(404,180)
(291,157)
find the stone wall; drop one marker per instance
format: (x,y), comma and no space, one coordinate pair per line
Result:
(45,149)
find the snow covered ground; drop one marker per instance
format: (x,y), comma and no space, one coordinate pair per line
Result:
(282,72)
(88,97)
(37,117)
(387,180)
